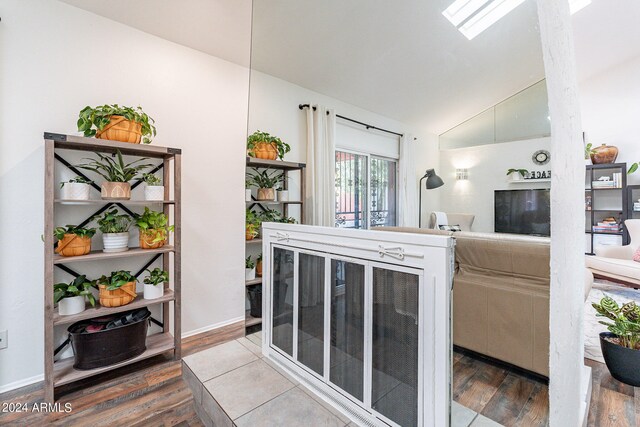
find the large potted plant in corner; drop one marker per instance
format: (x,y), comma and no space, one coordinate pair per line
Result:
(153,229)
(77,188)
(70,297)
(117,123)
(153,190)
(266,181)
(73,240)
(118,289)
(117,174)
(115,230)
(265,146)
(621,345)
(154,283)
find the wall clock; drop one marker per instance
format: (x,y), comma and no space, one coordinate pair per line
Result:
(541,157)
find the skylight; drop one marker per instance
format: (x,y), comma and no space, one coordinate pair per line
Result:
(472,17)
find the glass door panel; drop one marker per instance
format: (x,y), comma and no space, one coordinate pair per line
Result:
(347,327)
(394,387)
(311,312)
(282,322)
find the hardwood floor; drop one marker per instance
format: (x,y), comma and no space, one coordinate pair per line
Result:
(152,393)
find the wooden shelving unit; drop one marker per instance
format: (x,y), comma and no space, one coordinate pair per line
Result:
(287,167)
(61,372)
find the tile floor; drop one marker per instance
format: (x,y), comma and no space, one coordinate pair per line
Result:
(233,385)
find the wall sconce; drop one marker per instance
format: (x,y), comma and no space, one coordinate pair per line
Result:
(462,174)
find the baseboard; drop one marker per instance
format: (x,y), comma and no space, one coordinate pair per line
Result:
(20,383)
(212,327)
(585,395)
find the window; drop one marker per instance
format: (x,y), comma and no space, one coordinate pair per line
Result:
(365,190)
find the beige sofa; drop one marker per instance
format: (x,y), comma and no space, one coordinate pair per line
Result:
(615,263)
(501,296)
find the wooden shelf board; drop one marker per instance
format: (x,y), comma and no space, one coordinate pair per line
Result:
(256,281)
(253,241)
(64,373)
(524,181)
(618,233)
(97,255)
(250,320)
(98,311)
(105,202)
(274,164)
(275,202)
(72,142)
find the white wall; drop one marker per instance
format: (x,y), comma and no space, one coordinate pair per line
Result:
(56,59)
(487,166)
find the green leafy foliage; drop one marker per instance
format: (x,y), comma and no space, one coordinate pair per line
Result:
(522,172)
(115,170)
(91,120)
(156,277)
(151,179)
(259,258)
(588,151)
(249,263)
(59,232)
(112,222)
(116,280)
(257,137)
(265,178)
(253,223)
(633,168)
(154,223)
(78,287)
(272,215)
(76,180)
(624,321)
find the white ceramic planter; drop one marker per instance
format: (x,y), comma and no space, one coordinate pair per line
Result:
(73,305)
(283,195)
(75,191)
(153,291)
(115,242)
(249,273)
(154,192)
(247,194)
(516,177)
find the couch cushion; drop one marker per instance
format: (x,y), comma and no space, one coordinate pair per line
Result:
(619,267)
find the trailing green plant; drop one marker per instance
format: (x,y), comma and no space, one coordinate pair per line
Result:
(151,179)
(153,222)
(59,232)
(91,120)
(265,178)
(625,321)
(116,280)
(112,222)
(76,180)
(80,286)
(249,263)
(522,172)
(272,215)
(156,276)
(115,170)
(257,137)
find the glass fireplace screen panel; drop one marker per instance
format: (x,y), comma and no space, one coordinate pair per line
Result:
(311,312)
(282,321)
(347,327)
(394,387)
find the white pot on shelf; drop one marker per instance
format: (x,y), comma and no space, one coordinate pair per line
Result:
(247,194)
(153,291)
(115,242)
(516,176)
(154,192)
(283,195)
(75,191)
(249,273)
(72,305)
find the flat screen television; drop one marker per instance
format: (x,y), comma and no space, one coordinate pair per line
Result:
(523,212)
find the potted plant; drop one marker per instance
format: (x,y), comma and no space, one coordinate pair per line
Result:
(75,189)
(116,123)
(118,289)
(73,240)
(117,174)
(603,154)
(115,230)
(259,265)
(252,225)
(272,215)
(265,180)
(249,268)
(70,297)
(154,283)
(247,190)
(519,176)
(154,190)
(621,345)
(153,229)
(264,146)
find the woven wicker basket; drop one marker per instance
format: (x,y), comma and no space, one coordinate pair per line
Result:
(72,245)
(121,129)
(147,237)
(265,150)
(118,297)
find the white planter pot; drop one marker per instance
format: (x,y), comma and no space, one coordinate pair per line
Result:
(154,192)
(516,177)
(247,194)
(75,191)
(153,291)
(249,273)
(115,242)
(283,195)
(73,305)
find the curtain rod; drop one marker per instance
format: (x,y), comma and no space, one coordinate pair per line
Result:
(301,106)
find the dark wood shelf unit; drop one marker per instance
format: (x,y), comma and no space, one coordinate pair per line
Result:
(59,372)
(633,194)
